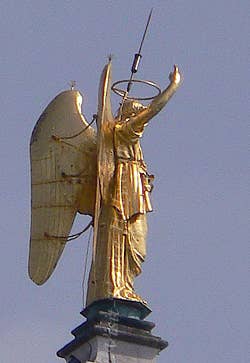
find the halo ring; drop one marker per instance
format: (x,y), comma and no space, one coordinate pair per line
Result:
(120,92)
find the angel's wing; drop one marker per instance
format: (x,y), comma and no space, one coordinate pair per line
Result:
(105,148)
(63,173)
(105,134)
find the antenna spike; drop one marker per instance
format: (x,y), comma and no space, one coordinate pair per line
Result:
(138,56)
(145,31)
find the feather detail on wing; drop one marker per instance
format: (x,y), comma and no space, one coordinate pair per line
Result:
(63,173)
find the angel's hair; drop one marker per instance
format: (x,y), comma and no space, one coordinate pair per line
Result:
(130,108)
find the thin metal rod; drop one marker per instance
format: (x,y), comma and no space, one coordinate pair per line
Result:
(135,65)
(138,56)
(145,31)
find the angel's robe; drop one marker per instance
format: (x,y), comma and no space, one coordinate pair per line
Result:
(121,241)
(132,183)
(122,226)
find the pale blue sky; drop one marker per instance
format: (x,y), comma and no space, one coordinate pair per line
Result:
(196,277)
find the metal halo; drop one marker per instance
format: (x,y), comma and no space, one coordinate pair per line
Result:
(121,92)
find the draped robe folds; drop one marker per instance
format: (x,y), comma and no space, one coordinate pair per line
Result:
(99,174)
(122,227)
(120,243)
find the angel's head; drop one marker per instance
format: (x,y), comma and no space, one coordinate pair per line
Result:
(130,108)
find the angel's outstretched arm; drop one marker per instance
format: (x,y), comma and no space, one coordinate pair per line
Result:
(138,122)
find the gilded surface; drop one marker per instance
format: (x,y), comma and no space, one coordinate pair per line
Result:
(63,173)
(120,246)
(99,173)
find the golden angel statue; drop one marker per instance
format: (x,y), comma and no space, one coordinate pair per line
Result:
(101,173)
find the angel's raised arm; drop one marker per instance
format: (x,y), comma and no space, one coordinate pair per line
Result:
(138,122)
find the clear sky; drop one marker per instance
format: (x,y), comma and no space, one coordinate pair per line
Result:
(196,277)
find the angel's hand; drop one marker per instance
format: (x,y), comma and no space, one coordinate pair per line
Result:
(175,76)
